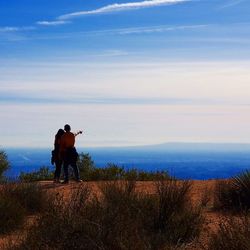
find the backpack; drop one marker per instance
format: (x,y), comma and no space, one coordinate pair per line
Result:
(53,157)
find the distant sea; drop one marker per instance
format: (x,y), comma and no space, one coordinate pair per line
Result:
(182,160)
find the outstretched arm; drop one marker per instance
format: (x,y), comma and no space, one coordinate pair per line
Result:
(78,133)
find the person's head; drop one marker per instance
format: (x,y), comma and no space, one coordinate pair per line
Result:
(67,128)
(59,133)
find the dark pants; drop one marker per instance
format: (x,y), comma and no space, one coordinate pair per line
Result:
(57,174)
(66,170)
(70,159)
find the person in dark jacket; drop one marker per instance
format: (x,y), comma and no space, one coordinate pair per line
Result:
(69,154)
(56,158)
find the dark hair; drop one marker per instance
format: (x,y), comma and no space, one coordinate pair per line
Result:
(67,128)
(60,132)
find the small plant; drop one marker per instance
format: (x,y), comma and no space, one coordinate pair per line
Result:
(4,163)
(177,220)
(206,196)
(241,183)
(233,234)
(44,173)
(140,175)
(11,213)
(29,196)
(64,224)
(120,218)
(17,200)
(89,172)
(233,194)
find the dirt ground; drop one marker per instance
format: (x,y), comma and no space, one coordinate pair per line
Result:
(201,193)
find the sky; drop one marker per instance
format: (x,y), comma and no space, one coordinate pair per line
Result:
(126,72)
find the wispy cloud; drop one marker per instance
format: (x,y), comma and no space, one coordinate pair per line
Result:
(52,23)
(63,19)
(121,7)
(231,4)
(15,29)
(121,32)
(15,98)
(154,29)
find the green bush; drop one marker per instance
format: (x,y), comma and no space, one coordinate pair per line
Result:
(44,173)
(120,218)
(89,172)
(233,194)
(86,165)
(233,234)
(4,163)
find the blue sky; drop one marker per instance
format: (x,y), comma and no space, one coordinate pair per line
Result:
(128,72)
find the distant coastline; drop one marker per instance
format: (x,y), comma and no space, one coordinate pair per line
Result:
(198,161)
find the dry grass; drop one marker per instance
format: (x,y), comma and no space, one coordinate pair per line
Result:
(120,218)
(233,234)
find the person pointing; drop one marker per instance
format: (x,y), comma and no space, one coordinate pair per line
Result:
(69,154)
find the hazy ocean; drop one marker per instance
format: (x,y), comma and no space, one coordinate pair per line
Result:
(186,161)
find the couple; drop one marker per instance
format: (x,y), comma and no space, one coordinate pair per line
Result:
(65,154)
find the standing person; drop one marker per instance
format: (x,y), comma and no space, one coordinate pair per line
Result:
(56,159)
(69,154)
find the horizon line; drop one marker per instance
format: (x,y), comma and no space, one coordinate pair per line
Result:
(138,145)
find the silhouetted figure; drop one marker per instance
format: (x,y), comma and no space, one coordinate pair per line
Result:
(56,159)
(69,154)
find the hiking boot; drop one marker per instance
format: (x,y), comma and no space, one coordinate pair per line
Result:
(65,182)
(56,181)
(79,180)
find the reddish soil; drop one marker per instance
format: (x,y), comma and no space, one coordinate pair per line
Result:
(201,193)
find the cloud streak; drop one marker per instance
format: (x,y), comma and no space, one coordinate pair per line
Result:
(116,7)
(52,23)
(122,32)
(121,7)
(232,4)
(155,29)
(9,29)
(28,99)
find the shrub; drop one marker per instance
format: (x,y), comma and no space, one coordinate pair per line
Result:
(17,200)
(86,165)
(109,173)
(64,225)
(140,175)
(206,197)
(233,234)
(152,221)
(89,172)
(120,218)
(4,163)
(11,213)
(233,194)
(44,173)
(241,184)
(29,196)
(177,220)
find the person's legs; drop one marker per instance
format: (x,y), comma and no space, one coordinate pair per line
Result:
(58,170)
(66,171)
(76,171)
